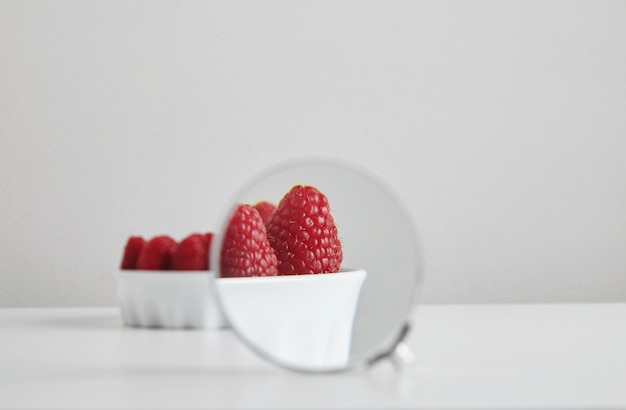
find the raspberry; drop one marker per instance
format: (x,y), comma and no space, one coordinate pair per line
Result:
(245,250)
(266,209)
(192,253)
(303,233)
(132,250)
(157,254)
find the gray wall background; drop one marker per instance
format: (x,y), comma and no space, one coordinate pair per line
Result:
(500,125)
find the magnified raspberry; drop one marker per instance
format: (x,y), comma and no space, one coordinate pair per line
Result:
(303,233)
(157,254)
(132,250)
(266,209)
(245,249)
(192,253)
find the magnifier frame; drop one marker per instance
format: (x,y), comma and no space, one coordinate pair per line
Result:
(410,287)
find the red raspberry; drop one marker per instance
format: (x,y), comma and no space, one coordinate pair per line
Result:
(157,254)
(192,253)
(132,250)
(303,233)
(245,250)
(266,209)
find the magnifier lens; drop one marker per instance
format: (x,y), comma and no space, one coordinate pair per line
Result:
(326,279)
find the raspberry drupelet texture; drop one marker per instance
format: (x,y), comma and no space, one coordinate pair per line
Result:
(245,250)
(266,209)
(192,253)
(157,254)
(303,234)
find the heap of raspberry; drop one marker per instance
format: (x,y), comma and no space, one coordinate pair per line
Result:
(303,233)
(163,253)
(245,249)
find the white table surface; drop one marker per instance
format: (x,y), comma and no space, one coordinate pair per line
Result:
(469,356)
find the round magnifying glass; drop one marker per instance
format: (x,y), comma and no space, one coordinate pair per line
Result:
(317,266)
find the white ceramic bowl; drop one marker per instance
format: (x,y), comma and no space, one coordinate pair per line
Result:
(300,321)
(169,299)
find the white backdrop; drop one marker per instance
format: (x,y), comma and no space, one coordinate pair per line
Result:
(500,125)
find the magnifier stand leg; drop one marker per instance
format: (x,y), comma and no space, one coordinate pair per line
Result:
(402,356)
(399,354)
